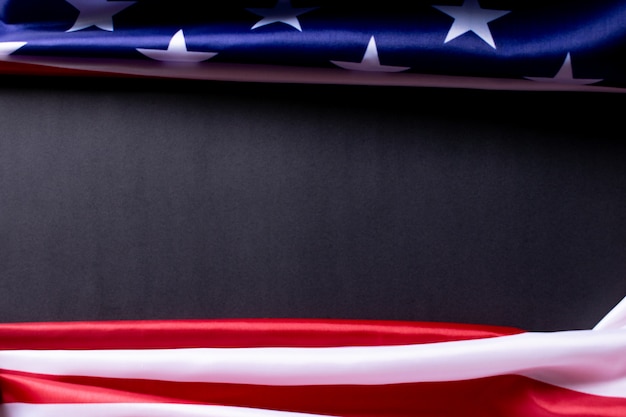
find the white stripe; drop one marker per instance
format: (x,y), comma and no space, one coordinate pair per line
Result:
(585,360)
(138,410)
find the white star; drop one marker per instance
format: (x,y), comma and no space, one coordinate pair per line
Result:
(282,12)
(565,75)
(7,48)
(177,51)
(370,61)
(470,17)
(97,13)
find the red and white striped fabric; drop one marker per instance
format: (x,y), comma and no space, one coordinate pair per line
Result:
(298,368)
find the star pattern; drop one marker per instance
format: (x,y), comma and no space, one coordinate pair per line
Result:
(565,75)
(7,48)
(98,13)
(370,61)
(177,51)
(470,17)
(331,29)
(282,12)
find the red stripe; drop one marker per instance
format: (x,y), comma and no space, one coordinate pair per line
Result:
(508,396)
(28,69)
(166,334)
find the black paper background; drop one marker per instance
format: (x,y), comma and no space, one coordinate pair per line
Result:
(152,199)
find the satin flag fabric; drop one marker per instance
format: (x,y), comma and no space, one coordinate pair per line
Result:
(532,45)
(297,367)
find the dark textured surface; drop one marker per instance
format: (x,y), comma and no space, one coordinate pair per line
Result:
(144,199)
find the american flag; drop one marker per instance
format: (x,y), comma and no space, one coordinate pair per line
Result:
(317,367)
(312,367)
(496,44)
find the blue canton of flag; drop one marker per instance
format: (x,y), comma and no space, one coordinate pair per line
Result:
(574,45)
